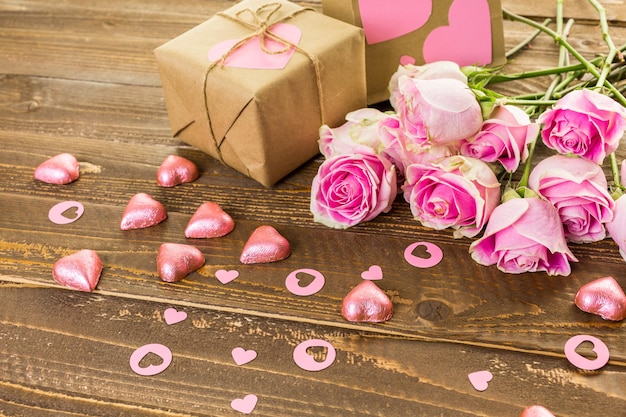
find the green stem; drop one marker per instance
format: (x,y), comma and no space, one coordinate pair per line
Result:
(615,171)
(526,41)
(592,69)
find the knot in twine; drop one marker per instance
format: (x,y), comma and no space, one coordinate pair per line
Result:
(260,23)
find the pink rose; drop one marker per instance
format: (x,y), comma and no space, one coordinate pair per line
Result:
(578,189)
(458,193)
(617,226)
(354,188)
(359,134)
(503,138)
(437,111)
(430,71)
(524,235)
(584,123)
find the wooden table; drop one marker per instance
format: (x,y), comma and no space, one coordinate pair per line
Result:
(80,77)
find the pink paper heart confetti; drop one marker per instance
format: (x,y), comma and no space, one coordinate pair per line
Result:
(407,60)
(244,405)
(242,356)
(142,211)
(225,276)
(57,212)
(176,170)
(536,411)
(480,380)
(467,39)
(209,221)
(252,54)
(176,260)
(382,22)
(603,297)
(60,169)
(367,303)
(80,271)
(374,273)
(265,245)
(173,316)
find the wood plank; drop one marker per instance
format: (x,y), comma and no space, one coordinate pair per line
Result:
(89,373)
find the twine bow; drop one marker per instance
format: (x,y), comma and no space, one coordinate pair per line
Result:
(260,23)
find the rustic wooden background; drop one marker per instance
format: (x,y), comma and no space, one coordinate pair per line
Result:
(80,77)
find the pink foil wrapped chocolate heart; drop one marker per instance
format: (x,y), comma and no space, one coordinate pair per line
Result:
(265,245)
(80,271)
(60,169)
(176,260)
(142,211)
(209,221)
(175,170)
(536,411)
(367,303)
(603,297)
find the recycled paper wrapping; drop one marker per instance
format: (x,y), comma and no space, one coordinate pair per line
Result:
(469,32)
(277,72)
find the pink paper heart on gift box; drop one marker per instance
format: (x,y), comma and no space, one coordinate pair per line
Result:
(252,55)
(467,38)
(383,20)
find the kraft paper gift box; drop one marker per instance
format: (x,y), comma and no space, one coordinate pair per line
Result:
(469,32)
(252,85)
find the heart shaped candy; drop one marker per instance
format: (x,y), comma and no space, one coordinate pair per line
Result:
(536,411)
(176,260)
(603,297)
(264,245)
(142,211)
(80,271)
(209,221)
(60,169)
(367,303)
(175,170)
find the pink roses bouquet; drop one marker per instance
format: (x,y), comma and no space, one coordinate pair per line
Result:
(451,148)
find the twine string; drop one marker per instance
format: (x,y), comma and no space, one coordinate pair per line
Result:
(260,23)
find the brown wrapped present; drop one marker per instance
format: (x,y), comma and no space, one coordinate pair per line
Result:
(252,85)
(469,32)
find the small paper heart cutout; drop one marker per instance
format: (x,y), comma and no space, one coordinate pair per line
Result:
(244,405)
(382,22)
(142,211)
(374,273)
(252,54)
(467,39)
(225,276)
(242,356)
(176,170)
(60,169)
(480,380)
(603,297)
(173,316)
(176,260)
(80,271)
(209,221)
(57,212)
(265,245)
(407,60)
(536,411)
(367,303)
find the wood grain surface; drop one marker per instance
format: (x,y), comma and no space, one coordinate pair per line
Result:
(80,77)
